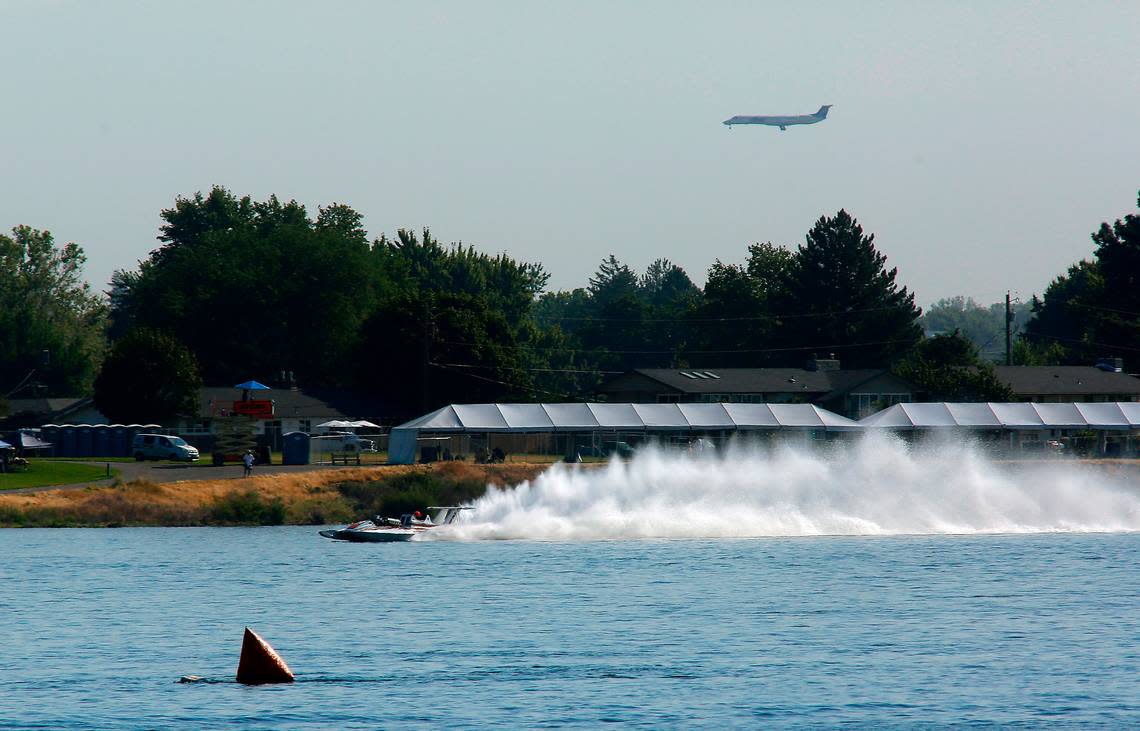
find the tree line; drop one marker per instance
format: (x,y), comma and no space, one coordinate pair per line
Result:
(241,289)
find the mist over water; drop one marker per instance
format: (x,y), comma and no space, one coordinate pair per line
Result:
(878,485)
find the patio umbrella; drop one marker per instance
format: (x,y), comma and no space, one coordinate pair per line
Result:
(362,422)
(336,424)
(5,445)
(252,386)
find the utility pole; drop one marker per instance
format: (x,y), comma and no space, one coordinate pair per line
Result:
(1008,330)
(425,353)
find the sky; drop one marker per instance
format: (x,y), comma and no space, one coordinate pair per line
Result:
(980,142)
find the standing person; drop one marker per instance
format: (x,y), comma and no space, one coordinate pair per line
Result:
(247,463)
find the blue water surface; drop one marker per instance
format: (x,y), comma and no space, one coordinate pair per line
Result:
(1004,631)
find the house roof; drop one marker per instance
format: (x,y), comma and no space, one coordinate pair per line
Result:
(321,404)
(759,380)
(46,406)
(1063,380)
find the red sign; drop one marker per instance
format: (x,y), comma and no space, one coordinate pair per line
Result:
(259,408)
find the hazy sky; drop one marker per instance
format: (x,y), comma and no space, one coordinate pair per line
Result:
(980,142)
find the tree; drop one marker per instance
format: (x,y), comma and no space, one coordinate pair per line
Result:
(1093,310)
(455,326)
(148,376)
(615,328)
(669,297)
(1063,315)
(984,326)
(732,322)
(1117,317)
(842,298)
(51,324)
(949,368)
(256,287)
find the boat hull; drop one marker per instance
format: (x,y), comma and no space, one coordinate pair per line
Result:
(381,535)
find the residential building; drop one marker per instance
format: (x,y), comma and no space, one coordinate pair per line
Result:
(852,393)
(1067,384)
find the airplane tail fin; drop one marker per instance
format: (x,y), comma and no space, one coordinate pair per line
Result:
(822,113)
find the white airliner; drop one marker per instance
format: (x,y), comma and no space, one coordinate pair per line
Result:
(782,122)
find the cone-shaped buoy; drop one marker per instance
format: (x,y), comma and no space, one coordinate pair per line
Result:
(260,663)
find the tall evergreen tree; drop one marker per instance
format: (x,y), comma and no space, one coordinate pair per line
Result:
(1060,327)
(1117,317)
(843,299)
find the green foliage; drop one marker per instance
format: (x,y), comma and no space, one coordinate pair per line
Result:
(247,508)
(949,368)
(984,326)
(410,492)
(1093,310)
(148,377)
(1045,353)
(1064,316)
(255,287)
(454,326)
(51,324)
(845,300)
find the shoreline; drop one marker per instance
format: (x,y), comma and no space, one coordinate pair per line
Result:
(314,497)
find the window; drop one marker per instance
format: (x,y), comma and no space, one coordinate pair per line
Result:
(863,404)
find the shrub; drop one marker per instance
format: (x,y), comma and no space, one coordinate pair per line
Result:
(247,508)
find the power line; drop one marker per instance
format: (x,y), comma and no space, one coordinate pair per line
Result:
(748,318)
(536,370)
(549,348)
(520,387)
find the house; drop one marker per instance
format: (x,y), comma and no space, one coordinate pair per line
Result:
(1067,384)
(288,410)
(852,393)
(32,412)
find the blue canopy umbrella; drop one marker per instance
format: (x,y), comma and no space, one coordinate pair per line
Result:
(252,386)
(5,445)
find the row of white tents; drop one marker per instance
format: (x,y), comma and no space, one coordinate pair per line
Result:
(703,418)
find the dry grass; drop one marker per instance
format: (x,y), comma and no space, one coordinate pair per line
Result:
(306,498)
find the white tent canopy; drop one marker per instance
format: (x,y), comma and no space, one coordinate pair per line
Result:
(574,417)
(1124,415)
(343,424)
(627,417)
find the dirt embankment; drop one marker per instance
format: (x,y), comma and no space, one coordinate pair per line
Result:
(308,498)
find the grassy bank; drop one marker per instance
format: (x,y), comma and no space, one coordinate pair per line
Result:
(44,472)
(309,498)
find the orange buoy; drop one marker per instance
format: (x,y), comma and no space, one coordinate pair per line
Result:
(260,663)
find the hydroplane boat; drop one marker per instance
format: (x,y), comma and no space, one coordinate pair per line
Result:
(384,530)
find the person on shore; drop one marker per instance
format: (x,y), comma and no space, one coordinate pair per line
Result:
(247,463)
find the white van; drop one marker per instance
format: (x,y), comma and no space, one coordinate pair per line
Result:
(162,446)
(343,443)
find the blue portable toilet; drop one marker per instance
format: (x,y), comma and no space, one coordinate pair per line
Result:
(102,440)
(120,443)
(295,448)
(66,441)
(84,440)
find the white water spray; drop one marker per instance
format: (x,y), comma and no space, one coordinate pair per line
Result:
(876,486)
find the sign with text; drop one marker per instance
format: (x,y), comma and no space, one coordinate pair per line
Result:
(258,408)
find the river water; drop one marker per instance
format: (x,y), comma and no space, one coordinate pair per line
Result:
(884,623)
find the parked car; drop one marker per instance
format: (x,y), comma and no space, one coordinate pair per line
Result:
(162,446)
(343,443)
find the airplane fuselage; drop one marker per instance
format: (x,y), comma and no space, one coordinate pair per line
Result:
(783,122)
